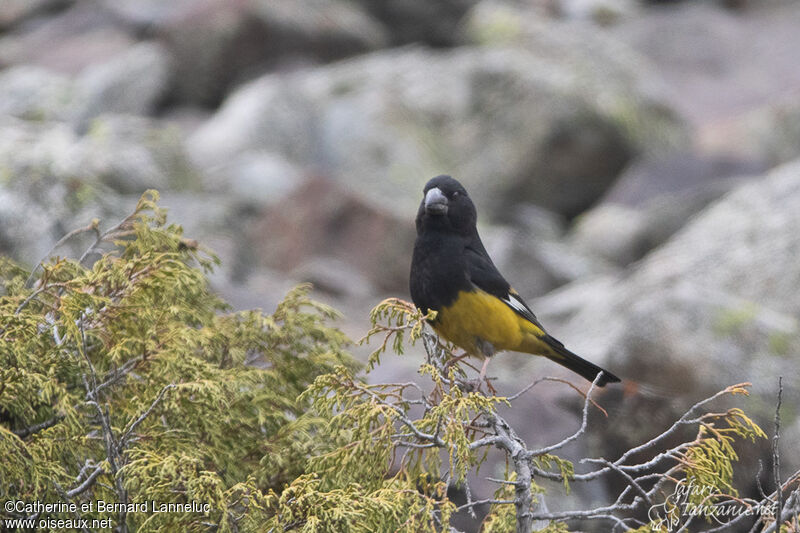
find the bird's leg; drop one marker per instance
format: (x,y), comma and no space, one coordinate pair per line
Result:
(482,376)
(483,368)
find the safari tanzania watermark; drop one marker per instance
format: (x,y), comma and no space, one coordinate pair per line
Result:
(691,501)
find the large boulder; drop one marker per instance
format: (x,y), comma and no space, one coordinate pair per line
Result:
(53,180)
(516,125)
(45,189)
(718,63)
(15,11)
(323,223)
(716,305)
(35,93)
(217,43)
(133,82)
(131,154)
(769,133)
(652,200)
(421,21)
(69,41)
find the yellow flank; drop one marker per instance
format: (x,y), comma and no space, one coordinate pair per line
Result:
(477,315)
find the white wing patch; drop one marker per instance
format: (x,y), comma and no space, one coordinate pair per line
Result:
(519,306)
(516,304)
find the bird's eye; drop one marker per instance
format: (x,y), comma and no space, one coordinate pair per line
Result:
(455,194)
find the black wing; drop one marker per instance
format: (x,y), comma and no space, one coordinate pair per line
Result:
(484,275)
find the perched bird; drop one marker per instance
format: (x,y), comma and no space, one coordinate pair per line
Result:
(477,309)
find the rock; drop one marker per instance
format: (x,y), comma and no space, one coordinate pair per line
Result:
(186,118)
(322,29)
(713,306)
(263,289)
(334,277)
(675,173)
(45,189)
(652,200)
(257,179)
(749,231)
(419,21)
(515,126)
(83,35)
(537,221)
(217,44)
(133,82)
(15,11)
(613,232)
(336,224)
(718,63)
(145,15)
(776,129)
(132,154)
(769,133)
(601,12)
(535,265)
(34,93)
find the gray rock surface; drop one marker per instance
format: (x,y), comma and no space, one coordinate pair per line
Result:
(715,305)
(132,154)
(34,93)
(334,223)
(217,44)
(513,125)
(716,62)
(46,188)
(736,253)
(652,200)
(768,133)
(420,21)
(257,179)
(132,82)
(16,11)
(67,42)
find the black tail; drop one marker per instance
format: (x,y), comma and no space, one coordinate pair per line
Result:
(577,364)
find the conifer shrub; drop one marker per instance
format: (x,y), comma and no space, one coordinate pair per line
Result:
(128,381)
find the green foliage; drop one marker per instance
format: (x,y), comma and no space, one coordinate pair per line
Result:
(705,465)
(392,318)
(502,518)
(133,369)
(708,462)
(564,467)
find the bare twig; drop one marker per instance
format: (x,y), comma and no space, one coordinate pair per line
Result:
(581,429)
(30,430)
(92,226)
(123,441)
(776,453)
(75,513)
(488,501)
(88,482)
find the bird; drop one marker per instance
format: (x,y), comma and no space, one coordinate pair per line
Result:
(476,308)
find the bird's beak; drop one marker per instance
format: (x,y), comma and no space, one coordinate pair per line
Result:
(435,202)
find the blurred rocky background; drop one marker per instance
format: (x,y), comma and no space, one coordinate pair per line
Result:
(636,167)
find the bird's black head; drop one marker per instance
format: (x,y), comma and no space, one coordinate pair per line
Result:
(446,206)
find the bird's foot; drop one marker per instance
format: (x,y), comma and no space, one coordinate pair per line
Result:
(453,360)
(474,385)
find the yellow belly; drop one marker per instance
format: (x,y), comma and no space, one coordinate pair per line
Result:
(478,317)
